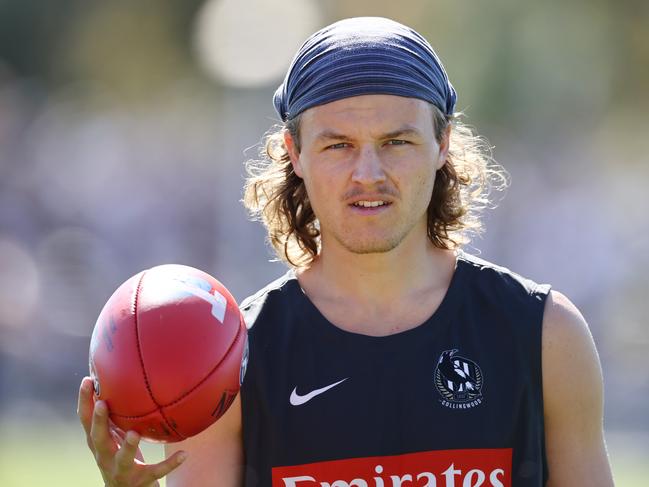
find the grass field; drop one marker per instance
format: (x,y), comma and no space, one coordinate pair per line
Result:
(56,456)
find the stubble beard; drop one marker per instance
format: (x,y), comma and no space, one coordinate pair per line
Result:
(371,244)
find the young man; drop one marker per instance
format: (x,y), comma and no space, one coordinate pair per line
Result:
(386,356)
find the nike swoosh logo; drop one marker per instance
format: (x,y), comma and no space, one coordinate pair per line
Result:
(297,400)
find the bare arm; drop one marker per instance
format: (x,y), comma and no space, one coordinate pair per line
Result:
(214,457)
(573,399)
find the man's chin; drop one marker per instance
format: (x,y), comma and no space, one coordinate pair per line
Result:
(371,247)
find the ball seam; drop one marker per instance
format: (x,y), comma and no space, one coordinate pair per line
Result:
(135,311)
(136,299)
(160,406)
(209,374)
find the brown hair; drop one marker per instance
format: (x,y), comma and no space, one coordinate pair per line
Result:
(274,194)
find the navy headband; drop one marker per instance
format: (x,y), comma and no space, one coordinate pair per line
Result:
(363,56)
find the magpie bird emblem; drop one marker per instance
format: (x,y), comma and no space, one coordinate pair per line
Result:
(458,379)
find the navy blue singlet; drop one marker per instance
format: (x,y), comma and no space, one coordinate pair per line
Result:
(455,401)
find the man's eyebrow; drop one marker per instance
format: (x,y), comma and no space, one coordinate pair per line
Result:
(406,130)
(331,135)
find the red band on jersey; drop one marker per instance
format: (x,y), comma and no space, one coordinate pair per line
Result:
(443,468)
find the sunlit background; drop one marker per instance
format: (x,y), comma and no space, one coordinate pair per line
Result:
(124,126)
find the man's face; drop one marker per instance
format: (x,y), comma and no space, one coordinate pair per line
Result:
(368,164)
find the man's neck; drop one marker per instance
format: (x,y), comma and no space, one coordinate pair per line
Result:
(378,289)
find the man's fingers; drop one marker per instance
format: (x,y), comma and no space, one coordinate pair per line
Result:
(116,437)
(99,431)
(84,406)
(119,431)
(125,456)
(161,469)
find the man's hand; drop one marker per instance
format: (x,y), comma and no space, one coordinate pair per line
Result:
(117,454)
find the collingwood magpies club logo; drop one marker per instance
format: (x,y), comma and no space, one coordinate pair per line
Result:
(458,380)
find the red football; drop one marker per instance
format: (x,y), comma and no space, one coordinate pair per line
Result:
(168,352)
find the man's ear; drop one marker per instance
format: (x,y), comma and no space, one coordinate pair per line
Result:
(444,146)
(293,153)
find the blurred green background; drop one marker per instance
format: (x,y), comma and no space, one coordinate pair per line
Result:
(124,125)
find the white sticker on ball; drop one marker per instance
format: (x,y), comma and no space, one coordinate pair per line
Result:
(200,289)
(217,300)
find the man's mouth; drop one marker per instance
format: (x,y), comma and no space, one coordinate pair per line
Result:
(369,204)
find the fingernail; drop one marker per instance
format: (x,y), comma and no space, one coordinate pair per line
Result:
(100,408)
(182,456)
(132,438)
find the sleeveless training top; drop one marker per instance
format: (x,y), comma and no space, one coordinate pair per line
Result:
(455,401)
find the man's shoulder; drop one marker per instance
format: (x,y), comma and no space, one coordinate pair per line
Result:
(507,301)
(498,278)
(277,293)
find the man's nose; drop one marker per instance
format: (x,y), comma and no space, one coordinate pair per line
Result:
(368,168)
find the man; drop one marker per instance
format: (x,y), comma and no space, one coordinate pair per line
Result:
(386,356)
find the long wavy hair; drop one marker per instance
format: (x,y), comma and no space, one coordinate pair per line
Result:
(276,196)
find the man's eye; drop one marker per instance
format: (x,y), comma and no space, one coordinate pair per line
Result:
(339,145)
(397,142)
